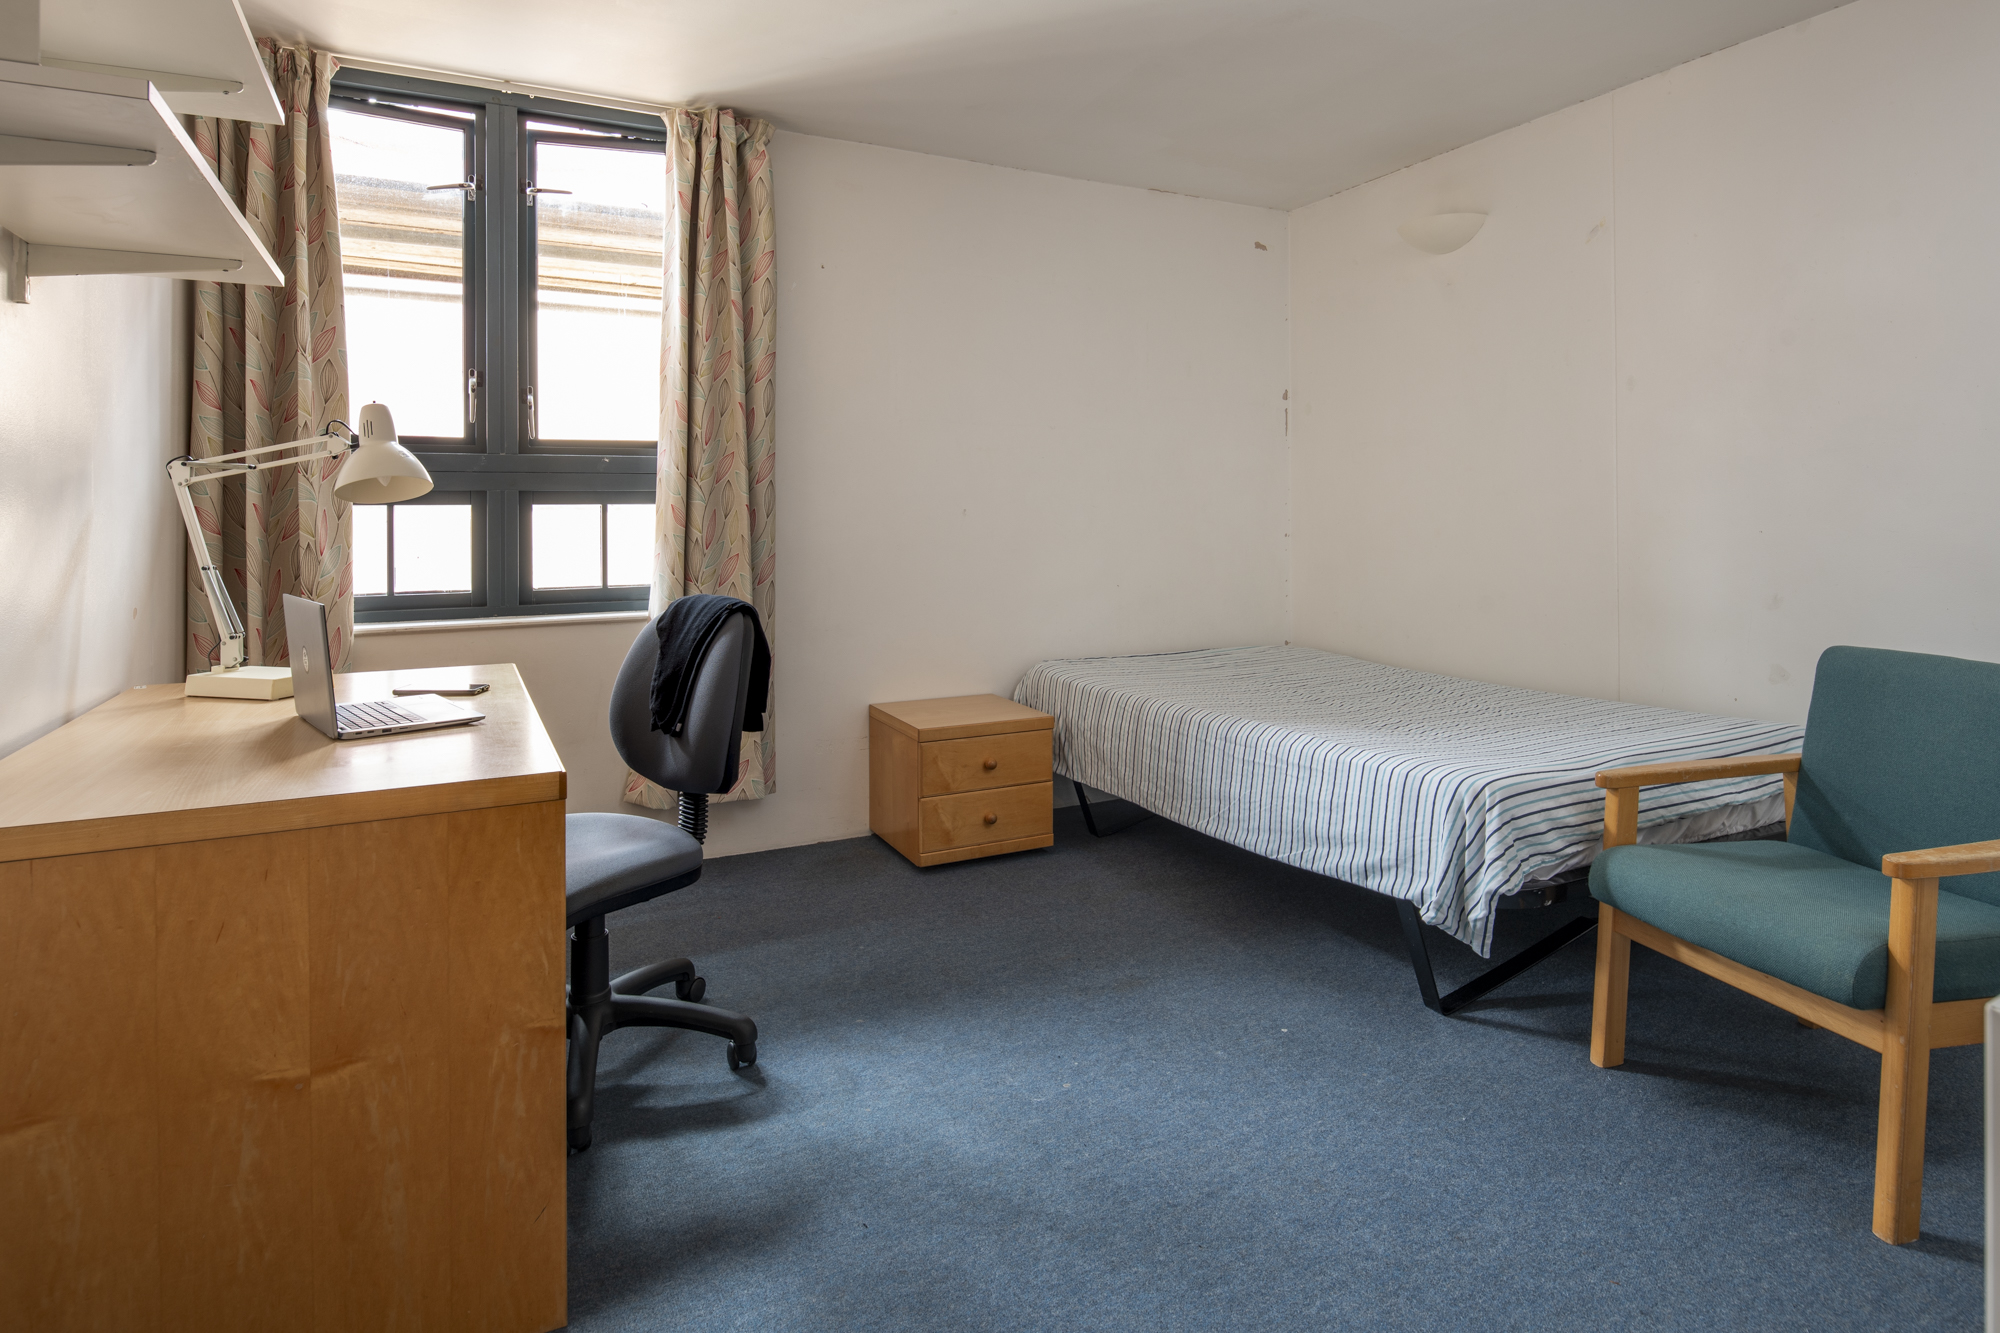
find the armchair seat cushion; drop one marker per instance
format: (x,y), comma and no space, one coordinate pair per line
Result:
(1797,914)
(614,861)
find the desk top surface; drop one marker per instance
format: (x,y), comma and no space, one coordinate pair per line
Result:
(150,766)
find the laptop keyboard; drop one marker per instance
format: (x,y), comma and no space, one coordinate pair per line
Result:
(368,716)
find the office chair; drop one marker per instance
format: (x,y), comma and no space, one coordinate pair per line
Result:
(617,861)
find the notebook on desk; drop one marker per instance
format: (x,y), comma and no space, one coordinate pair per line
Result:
(312,687)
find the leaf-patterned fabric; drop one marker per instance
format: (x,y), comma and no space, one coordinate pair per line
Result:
(716,497)
(270,365)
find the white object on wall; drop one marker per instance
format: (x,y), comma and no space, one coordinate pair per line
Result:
(98,176)
(199,54)
(1441,233)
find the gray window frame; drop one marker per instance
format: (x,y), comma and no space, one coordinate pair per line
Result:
(498,460)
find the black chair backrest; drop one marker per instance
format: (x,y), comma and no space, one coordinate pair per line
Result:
(707,755)
(1902,753)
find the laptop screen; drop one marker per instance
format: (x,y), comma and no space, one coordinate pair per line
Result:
(312,672)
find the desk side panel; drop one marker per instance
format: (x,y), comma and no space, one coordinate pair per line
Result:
(379,900)
(508,1142)
(79,1139)
(235,1108)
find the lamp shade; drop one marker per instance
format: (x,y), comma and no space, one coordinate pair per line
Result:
(380,471)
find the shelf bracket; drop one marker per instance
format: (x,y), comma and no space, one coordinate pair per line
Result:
(165,80)
(13,267)
(16,151)
(61,261)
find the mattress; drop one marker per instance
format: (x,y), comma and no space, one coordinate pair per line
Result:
(1449,793)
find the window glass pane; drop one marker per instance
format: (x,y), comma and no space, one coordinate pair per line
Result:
(568,550)
(628,545)
(371,550)
(403,259)
(598,257)
(433,548)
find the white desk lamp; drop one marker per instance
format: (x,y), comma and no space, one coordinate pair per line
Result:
(378,471)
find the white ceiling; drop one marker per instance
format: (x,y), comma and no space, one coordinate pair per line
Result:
(1272,102)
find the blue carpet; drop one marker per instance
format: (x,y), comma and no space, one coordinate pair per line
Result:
(1152,1082)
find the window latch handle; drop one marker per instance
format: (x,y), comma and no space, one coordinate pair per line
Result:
(472,396)
(471,188)
(529,394)
(531,190)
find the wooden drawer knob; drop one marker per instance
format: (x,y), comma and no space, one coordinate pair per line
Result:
(992,818)
(992,764)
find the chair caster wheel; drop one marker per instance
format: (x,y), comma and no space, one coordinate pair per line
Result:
(691,991)
(742,1055)
(579,1139)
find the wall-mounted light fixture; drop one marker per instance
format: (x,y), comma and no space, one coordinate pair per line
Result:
(1441,233)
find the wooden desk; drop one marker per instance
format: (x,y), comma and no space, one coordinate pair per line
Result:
(281,1020)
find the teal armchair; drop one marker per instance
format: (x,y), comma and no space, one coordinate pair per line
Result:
(1843,924)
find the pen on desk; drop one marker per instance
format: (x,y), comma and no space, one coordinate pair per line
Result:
(448,691)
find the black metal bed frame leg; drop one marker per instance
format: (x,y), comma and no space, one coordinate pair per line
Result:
(1083,804)
(1090,822)
(1504,971)
(1413,935)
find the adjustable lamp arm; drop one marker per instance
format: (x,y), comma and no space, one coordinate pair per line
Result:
(374,470)
(185,471)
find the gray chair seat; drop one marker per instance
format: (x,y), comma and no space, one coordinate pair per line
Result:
(1797,914)
(614,861)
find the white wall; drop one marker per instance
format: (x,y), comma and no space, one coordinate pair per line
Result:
(93,402)
(1717,386)
(1019,417)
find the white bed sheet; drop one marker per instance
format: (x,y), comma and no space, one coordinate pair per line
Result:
(1450,793)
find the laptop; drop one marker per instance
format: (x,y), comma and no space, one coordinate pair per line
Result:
(312,687)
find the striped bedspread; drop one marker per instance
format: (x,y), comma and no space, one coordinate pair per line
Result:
(1447,792)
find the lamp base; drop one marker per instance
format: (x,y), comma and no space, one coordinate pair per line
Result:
(248,682)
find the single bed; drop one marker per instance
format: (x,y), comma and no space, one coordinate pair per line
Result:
(1443,793)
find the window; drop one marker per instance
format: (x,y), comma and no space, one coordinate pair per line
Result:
(503,261)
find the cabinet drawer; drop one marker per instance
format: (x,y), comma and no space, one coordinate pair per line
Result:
(1006,760)
(999,815)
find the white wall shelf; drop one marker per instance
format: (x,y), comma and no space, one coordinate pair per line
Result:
(198,54)
(169,217)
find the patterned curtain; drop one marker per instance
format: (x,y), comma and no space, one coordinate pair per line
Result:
(716,511)
(270,365)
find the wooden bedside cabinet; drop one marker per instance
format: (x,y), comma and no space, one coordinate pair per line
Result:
(955,779)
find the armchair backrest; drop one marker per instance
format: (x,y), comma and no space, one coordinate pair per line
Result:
(1902,752)
(706,755)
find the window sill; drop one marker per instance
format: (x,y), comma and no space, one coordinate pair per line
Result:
(494,622)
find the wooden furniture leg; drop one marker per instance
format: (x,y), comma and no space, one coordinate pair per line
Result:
(1906,1059)
(1614,946)
(1607,1009)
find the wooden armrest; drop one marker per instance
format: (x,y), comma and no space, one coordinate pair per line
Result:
(1696,770)
(1969,858)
